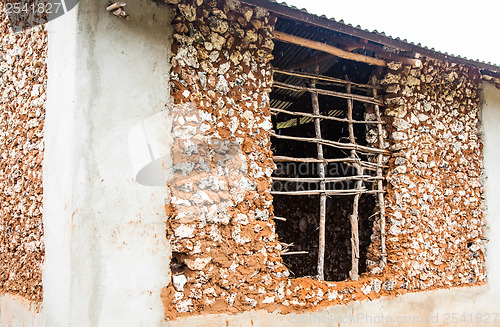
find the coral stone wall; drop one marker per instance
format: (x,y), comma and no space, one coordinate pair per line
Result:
(226,255)
(434,192)
(221,202)
(22,90)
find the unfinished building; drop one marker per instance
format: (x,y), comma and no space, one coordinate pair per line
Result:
(310,168)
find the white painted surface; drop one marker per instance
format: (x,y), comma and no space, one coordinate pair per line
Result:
(415,309)
(491,156)
(148,151)
(16,312)
(106,252)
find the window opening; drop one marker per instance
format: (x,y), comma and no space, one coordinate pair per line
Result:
(329,179)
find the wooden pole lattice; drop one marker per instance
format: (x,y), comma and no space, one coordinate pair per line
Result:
(353,159)
(305,114)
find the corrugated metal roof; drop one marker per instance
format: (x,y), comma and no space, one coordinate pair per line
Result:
(299,54)
(375,36)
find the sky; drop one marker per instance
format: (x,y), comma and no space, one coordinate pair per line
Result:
(467,28)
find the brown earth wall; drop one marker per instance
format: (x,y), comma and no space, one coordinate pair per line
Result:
(23,75)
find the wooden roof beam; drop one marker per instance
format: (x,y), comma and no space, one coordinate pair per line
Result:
(323,22)
(283,37)
(350,45)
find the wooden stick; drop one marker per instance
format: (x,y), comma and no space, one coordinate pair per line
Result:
(360,98)
(351,44)
(279,218)
(354,273)
(312,160)
(366,164)
(327,179)
(283,37)
(295,252)
(333,144)
(327,192)
(322,199)
(115,6)
(121,13)
(380,186)
(320,78)
(345,120)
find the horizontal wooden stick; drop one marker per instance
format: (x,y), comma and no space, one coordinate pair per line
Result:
(314,160)
(370,165)
(286,245)
(345,120)
(350,45)
(311,160)
(279,218)
(320,78)
(327,192)
(293,253)
(327,179)
(360,98)
(333,144)
(283,37)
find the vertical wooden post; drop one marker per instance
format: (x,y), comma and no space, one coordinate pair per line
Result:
(354,273)
(322,203)
(380,184)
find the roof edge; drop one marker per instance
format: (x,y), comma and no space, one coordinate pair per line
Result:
(296,14)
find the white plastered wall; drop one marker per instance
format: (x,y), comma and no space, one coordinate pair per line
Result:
(491,156)
(106,252)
